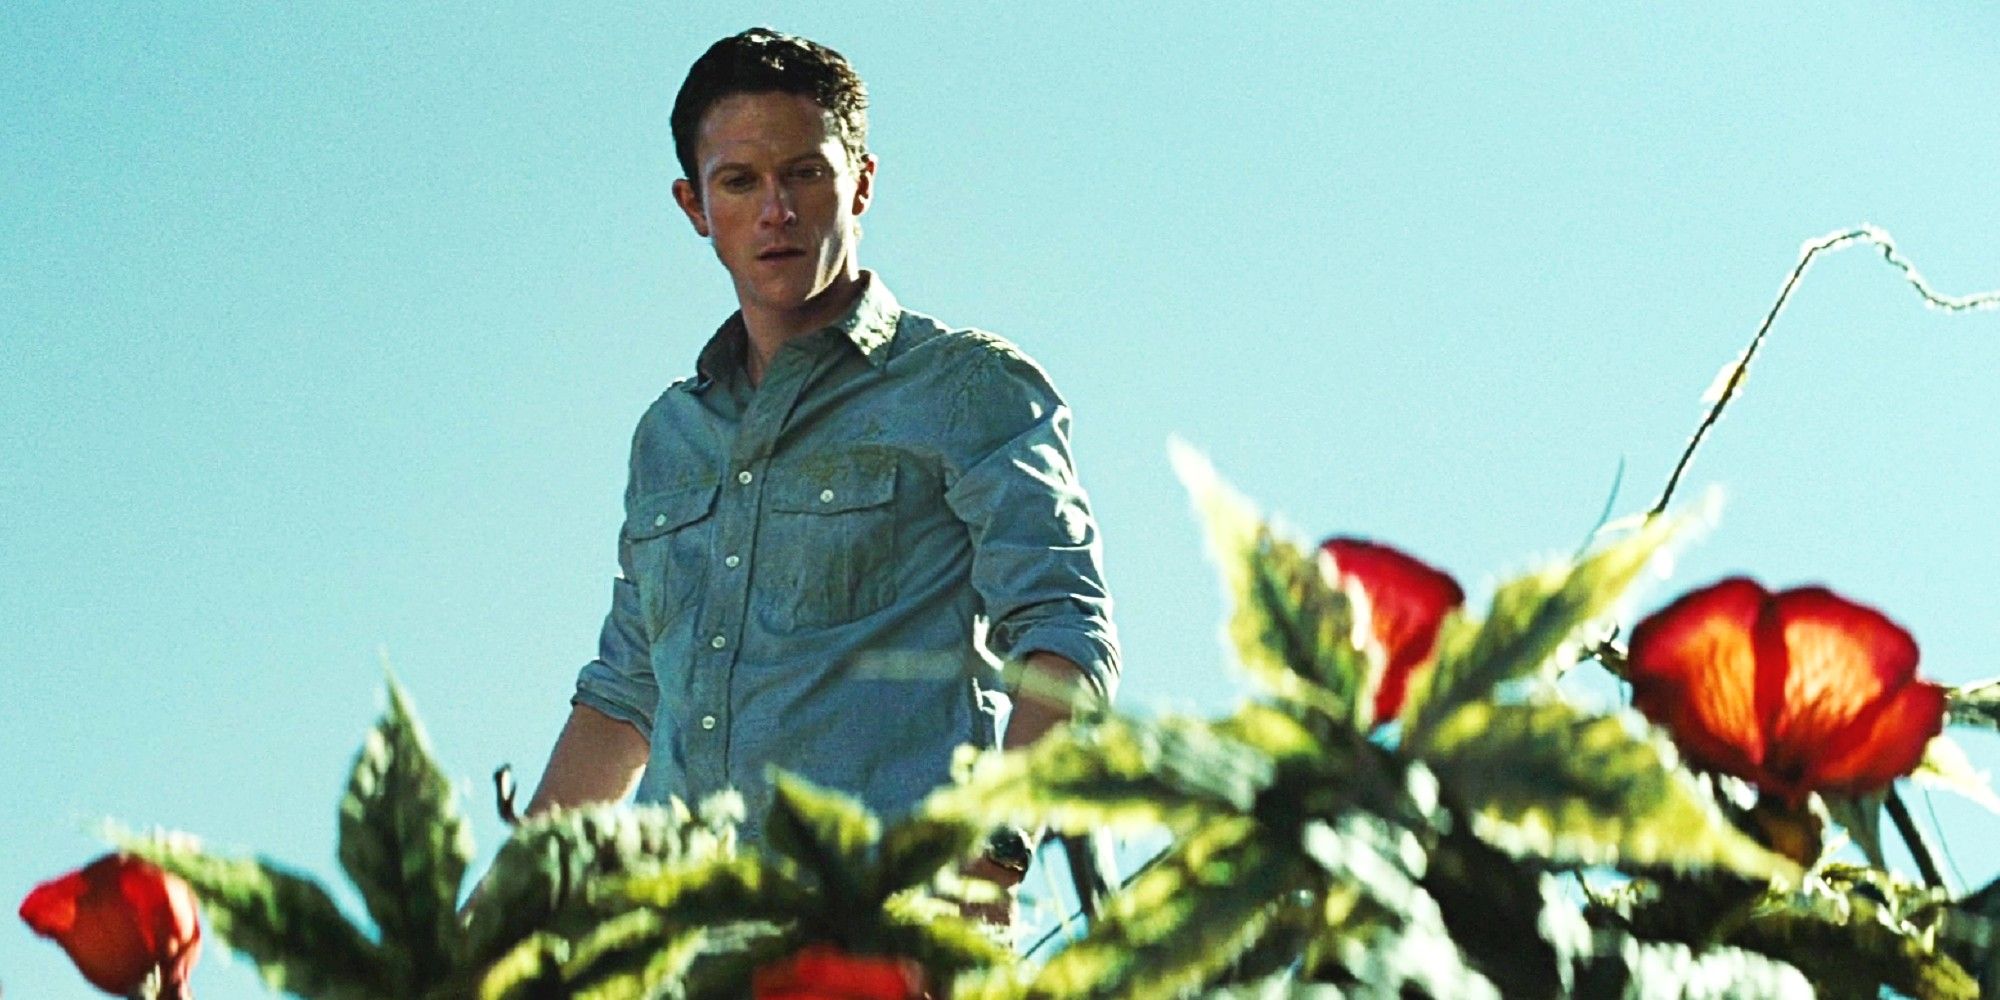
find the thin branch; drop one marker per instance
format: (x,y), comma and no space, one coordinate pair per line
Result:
(1920,849)
(1833,241)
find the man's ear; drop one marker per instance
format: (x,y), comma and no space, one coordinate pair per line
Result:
(864,183)
(689,200)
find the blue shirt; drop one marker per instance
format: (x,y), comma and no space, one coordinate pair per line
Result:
(824,573)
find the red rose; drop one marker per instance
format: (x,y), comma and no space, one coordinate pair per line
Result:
(1407,601)
(120,918)
(824,972)
(1795,692)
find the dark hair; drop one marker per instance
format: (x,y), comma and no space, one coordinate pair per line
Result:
(759,61)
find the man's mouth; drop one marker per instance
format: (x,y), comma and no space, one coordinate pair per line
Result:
(780,253)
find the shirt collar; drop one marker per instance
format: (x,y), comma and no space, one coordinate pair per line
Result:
(870,324)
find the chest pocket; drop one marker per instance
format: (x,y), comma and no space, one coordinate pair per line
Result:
(670,552)
(830,544)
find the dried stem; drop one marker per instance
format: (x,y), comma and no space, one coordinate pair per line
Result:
(1833,241)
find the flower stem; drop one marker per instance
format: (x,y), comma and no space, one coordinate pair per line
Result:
(1913,838)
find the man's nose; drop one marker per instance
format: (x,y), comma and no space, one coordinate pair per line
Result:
(777,208)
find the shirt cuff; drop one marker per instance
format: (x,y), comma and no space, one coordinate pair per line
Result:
(1095,651)
(599,687)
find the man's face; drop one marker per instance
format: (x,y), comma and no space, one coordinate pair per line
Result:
(778,199)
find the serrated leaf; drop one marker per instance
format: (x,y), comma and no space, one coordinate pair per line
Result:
(1118,772)
(916,849)
(1546,781)
(285,923)
(1180,923)
(1946,766)
(1531,619)
(532,968)
(405,846)
(1292,630)
(830,835)
(1664,970)
(1850,947)
(1975,704)
(555,871)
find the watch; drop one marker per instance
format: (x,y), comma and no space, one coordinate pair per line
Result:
(1011,848)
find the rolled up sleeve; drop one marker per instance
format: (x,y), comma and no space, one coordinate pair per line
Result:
(620,682)
(1037,557)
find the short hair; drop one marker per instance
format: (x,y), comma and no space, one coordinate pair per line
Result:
(760,61)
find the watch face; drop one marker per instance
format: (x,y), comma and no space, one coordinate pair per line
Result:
(1009,849)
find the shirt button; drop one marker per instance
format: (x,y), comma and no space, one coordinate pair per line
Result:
(659,520)
(708,722)
(826,496)
(718,642)
(744,477)
(730,561)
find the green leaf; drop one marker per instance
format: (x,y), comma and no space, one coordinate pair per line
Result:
(1666,970)
(1531,620)
(1182,922)
(406,847)
(916,849)
(1546,781)
(532,968)
(557,871)
(1293,631)
(1169,771)
(283,922)
(1975,704)
(830,835)
(1851,947)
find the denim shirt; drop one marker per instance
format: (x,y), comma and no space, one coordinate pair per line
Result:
(825,572)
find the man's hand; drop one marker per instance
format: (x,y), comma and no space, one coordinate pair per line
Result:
(1002,911)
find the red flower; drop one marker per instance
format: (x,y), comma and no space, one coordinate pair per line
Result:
(824,972)
(1795,692)
(120,918)
(1407,601)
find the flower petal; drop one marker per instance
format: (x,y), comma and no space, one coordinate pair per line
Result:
(50,909)
(1841,659)
(1693,670)
(1883,744)
(1407,600)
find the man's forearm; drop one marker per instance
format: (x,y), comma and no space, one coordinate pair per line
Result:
(596,759)
(1045,698)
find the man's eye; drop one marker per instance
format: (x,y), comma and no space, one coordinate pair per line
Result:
(736,182)
(810,172)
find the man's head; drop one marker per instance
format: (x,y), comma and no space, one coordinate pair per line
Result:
(764,61)
(771,132)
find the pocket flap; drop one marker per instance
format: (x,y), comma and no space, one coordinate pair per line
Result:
(659,513)
(852,488)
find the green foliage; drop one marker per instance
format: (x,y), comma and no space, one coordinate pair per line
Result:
(1291,630)
(556,872)
(1182,921)
(1549,781)
(405,846)
(1975,704)
(1853,932)
(285,923)
(1530,621)
(1118,772)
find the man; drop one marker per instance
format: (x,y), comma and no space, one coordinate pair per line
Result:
(838,528)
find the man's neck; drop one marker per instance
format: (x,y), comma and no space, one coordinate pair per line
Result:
(766,332)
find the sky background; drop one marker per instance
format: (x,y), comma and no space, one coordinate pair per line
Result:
(324,327)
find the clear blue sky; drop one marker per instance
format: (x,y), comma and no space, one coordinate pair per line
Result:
(323,328)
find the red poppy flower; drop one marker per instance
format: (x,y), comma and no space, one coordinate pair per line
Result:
(1407,601)
(120,918)
(1795,692)
(824,972)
